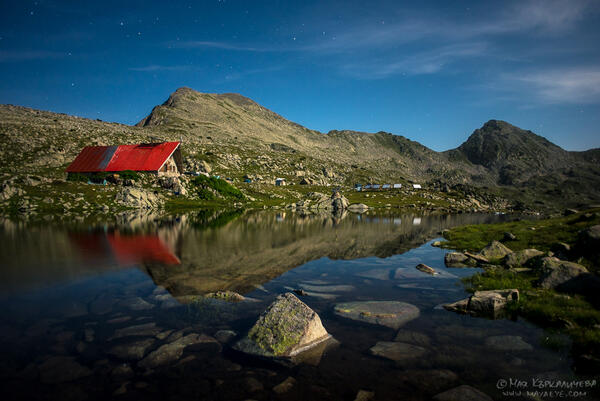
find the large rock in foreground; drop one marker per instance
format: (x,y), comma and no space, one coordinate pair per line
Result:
(286,328)
(386,313)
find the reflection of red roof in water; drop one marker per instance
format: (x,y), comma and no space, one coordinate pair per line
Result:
(141,248)
(140,157)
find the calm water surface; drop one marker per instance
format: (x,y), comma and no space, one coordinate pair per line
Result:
(82,305)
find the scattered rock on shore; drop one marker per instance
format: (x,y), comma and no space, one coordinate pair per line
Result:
(137,198)
(558,273)
(509,237)
(484,303)
(495,250)
(588,242)
(520,258)
(458,259)
(358,207)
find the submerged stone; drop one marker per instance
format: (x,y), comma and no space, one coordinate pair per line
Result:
(462,393)
(285,385)
(426,269)
(286,328)
(171,352)
(507,343)
(412,337)
(385,313)
(364,395)
(141,330)
(430,381)
(327,288)
(229,296)
(397,351)
(133,351)
(103,304)
(225,336)
(136,304)
(60,369)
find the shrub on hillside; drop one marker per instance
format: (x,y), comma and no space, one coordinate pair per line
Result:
(222,187)
(77,177)
(129,175)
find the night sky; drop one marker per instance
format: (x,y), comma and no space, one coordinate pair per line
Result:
(432,71)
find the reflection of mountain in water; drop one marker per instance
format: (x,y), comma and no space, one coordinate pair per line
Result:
(207,251)
(33,256)
(258,247)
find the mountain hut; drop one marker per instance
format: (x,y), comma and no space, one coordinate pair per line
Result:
(163,159)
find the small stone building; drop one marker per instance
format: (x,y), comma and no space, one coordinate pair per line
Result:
(163,159)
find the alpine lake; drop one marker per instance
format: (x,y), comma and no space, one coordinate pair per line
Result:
(85,305)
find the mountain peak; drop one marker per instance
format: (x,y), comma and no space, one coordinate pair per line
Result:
(513,152)
(500,127)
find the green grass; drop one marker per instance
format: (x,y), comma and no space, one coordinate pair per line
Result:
(397,198)
(565,314)
(495,279)
(550,308)
(538,234)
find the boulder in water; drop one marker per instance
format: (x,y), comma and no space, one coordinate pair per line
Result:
(286,328)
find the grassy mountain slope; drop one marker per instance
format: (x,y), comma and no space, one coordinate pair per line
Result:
(233,120)
(238,137)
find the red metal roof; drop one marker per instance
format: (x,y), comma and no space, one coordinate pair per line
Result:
(140,157)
